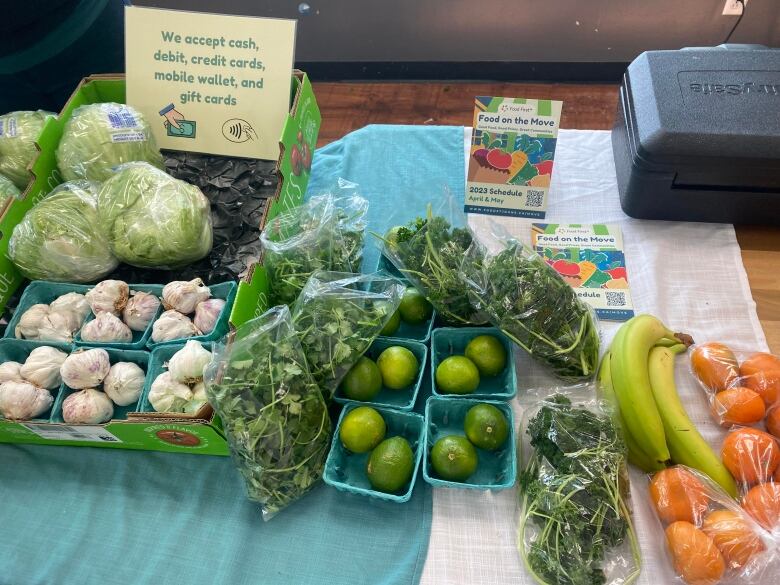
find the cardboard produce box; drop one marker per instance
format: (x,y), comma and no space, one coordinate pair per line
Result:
(198,433)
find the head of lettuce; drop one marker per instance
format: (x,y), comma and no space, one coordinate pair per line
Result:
(18,133)
(60,238)
(153,220)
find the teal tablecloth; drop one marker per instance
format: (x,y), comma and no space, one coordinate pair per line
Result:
(88,515)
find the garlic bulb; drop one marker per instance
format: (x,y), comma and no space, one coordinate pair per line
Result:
(184,296)
(199,398)
(85,368)
(9,372)
(186,365)
(72,301)
(42,367)
(106,328)
(109,296)
(30,322)
(59,325)
(173,325)
(87,407)
(23,401)
(168,395)
(140,310)
(124,383)
(207,313)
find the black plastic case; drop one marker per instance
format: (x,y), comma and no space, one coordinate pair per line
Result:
(697,135)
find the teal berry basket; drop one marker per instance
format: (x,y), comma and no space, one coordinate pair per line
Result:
(225,291)
(140,338)
(161,355)
(398,399)
(17,350)
(346,471)
(496,470)
(449,341)
(41,292)
(140,358)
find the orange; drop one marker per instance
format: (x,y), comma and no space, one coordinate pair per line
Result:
(763,503)
(773,421)
(738,406)
(762,375)
(733,535)
(715,365)
(678,495)
(695,557)
(750,455)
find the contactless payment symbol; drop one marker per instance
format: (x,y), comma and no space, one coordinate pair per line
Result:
(238,130)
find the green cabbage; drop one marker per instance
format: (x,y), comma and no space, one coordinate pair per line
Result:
(60,239)
(18,133)
(100,137)
(7,190)
(153,220)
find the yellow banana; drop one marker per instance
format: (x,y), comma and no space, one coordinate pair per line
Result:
(607,393)
(686,445)
(630,379)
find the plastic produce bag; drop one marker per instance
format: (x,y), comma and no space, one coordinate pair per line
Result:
(752,456)
(275,419)
(325,233)
(153,220)
(7,190)
(429,251)
(18,133)
(61,239)
(709,537)
(338,316)
(533,306)
(743,388)
(575,523)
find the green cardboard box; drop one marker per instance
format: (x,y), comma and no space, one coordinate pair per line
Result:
(202,432)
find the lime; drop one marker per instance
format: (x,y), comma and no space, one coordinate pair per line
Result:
(414,307)
(399,367)
(486,426)
(392,325)
(488,354)
(454,458)
(362,429)
(457,375)
(390,465)
(363,381)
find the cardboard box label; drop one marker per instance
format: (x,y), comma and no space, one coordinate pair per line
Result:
(210,82)
(511,160)
(74,433)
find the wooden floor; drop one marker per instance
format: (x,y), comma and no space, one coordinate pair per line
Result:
(349,106)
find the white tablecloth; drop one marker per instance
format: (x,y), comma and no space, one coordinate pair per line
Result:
(688,274)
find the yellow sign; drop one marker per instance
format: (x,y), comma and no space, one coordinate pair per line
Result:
(209,82)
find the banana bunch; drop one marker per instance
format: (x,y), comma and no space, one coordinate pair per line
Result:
(636,378)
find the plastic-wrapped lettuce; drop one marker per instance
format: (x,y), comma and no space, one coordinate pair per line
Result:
(153,220)
(7,190)
(18,132)
(99,137)
(60,238)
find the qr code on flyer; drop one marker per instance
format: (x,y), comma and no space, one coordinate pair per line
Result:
(616,299)
(534,198)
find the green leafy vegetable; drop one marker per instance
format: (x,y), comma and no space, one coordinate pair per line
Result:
(153,220)
(60,238)
(18,133)
(536,308)
(573,492)
(7,190)
(275,419)
(325,233)
(99,137)
(338,316)
(429,253)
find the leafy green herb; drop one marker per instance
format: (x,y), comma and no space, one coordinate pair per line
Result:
(338,316)
(573,493)
(535,308)
(274,416)
(326,233)
(429,253)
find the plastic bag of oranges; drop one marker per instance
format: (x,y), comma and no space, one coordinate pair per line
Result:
(709,538)
(743,388)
